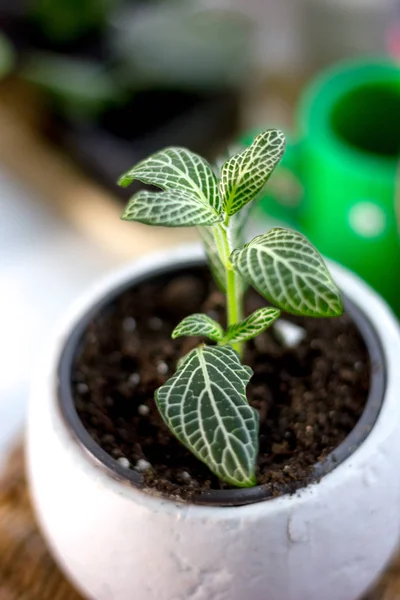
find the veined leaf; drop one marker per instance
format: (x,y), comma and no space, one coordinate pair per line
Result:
(199,324)
(178,169)
(289,271)
(204,404)
(222,158)
(245,174)
(238,221)
(171,208)
(255,324)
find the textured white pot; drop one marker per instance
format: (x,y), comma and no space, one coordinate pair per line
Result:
(116,542)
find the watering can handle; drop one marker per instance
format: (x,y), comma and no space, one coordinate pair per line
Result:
(397,199)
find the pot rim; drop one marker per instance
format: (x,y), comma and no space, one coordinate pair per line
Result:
(231,497)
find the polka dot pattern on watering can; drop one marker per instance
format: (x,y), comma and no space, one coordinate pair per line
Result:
(367,219)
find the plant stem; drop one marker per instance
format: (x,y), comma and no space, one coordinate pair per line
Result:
(233,304)
(234,297)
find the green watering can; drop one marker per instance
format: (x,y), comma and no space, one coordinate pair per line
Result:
(337,182)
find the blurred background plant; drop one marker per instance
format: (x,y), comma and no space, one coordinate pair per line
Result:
(60,22)
(133,76)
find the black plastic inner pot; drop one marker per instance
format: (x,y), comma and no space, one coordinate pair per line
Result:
(233,497)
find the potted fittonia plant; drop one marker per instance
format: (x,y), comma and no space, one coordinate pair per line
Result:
(192,439)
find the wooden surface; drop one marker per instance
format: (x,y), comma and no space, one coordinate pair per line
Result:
(27,571)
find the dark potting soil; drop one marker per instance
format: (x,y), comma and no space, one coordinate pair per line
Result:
(308,397)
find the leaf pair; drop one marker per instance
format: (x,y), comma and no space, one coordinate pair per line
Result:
(285,268)
(202,325)
(191,193)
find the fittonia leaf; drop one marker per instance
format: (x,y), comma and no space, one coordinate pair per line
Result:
(204,404)
(286,268)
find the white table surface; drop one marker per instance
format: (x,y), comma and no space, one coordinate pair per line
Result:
(44,264)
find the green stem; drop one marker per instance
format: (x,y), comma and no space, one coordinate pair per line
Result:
(234,297)
(233,304)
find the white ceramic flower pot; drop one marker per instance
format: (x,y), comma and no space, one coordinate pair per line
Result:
(117,542)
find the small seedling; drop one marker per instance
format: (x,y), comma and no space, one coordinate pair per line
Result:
(204,403)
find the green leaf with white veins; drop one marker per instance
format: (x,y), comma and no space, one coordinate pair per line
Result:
(178,169)
(244,175)
(290,272)
(170,208)
(222,158)
(199,324)
(238,221)
(255,324)
(204,404)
